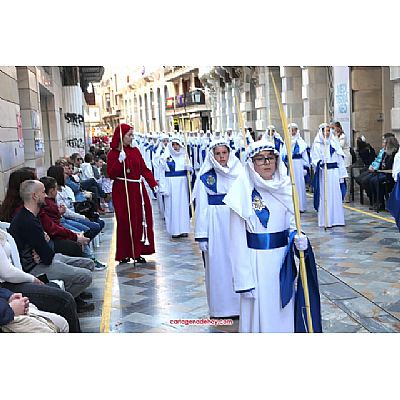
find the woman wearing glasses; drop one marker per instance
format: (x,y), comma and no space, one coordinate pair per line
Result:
(220,169)
(261,218)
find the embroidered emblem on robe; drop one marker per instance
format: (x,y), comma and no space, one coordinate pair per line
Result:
(171,164)
(260,208)
(209,179)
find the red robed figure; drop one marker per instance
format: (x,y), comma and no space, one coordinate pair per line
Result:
(135,168)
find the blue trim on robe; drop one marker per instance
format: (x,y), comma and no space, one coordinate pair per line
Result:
(216,199)
(278,142)
(307,177)
(331,149)
(343,189)
(203,154)
(209,179)
(245,291)
(315,182)
(232,144)
(171,165)
(267,241)
(287,278)
(201,239)
(263,214)
(170,174)
(393,202)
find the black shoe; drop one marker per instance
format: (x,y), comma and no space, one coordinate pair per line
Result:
(140,260)
(184,235)
(86,296)
(82,306)
(125,260)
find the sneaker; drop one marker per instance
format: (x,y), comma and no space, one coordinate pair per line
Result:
(98,266)
(140,260)
(82,306)
(125,260)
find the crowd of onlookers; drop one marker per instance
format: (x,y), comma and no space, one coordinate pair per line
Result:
(376,177)
(48,226)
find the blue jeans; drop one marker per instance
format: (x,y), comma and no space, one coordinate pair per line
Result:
(90,228)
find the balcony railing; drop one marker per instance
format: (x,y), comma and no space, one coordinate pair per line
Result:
(195,97)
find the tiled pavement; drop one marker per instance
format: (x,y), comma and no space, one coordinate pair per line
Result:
(358,266)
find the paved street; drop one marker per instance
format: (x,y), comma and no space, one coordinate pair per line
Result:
(358,267)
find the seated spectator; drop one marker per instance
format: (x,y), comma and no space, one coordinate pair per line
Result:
(47,297)
(90,183)
(79,194)
(365,151)
(37,257)
(50,216)
(379,179)
(65,196)
(364,177)
(65,241)
(19,316)
(12,201)
(106,184)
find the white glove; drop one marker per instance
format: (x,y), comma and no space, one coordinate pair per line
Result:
(155,189)
(188,167)
(305,172)
(203,246)
(301,242)
(122,156)
(251,294)
(341,180)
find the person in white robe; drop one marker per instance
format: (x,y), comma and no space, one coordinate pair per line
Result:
(261,219)
(301,162)
(396,166)
(163,142)
(212,229)
(330,152)
(273,136)
(174,187)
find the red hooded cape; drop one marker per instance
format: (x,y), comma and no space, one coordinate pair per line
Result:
(135,168)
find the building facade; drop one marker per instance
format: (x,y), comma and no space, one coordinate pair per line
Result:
(41,115)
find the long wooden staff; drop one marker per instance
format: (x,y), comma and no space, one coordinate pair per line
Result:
(241,124)
(325,176)
(127,197)
(188,174)
(269,122)
(295,197)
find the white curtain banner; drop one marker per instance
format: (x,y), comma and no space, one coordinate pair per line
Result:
(342,108)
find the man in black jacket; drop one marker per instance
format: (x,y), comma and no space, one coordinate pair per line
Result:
(37,257)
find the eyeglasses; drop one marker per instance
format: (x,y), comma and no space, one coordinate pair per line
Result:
(260,160)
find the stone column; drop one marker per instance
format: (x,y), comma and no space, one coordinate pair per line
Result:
(265,101)
(29,99)
(395,111)
(315,100)
(291,94)
(235,107)
(74,130)
(367,116)
(149,111)
(246,100)
(11,132)
(222,109)
(229,106)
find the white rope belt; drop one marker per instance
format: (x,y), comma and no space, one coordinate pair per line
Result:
(145,238)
